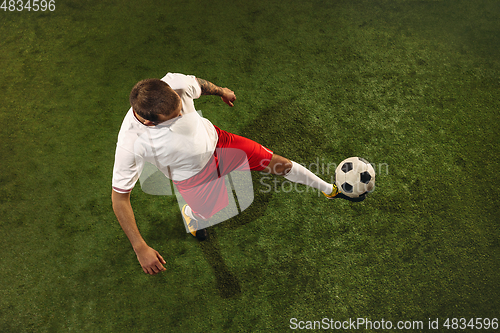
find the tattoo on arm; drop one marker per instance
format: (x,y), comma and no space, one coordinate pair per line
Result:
(208,88)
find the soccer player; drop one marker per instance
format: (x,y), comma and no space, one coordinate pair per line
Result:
(163,127)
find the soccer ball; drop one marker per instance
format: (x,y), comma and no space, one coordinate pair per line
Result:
(355,177)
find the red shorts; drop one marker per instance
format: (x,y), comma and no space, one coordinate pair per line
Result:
(206,192)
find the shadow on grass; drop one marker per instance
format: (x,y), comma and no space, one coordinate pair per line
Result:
(228,284)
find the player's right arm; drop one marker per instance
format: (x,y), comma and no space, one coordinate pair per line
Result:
(151,261)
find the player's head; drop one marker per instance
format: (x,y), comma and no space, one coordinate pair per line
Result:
(152,97)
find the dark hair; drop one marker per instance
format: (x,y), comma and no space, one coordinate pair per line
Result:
(152,97)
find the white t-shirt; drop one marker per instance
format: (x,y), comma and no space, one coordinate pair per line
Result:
(180,147)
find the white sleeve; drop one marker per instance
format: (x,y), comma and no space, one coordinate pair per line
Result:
(194,89)
(183,84)
(126,171)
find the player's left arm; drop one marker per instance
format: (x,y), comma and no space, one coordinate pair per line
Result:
(208,88)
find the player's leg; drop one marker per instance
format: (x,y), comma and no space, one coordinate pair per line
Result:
(297,173)
(258,158)
(261,158)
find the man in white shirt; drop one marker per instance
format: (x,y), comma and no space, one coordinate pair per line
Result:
(162,127)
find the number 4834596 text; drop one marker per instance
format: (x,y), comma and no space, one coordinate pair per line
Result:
(28,5)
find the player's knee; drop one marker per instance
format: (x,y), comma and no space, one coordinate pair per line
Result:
(283,166)
(287,167)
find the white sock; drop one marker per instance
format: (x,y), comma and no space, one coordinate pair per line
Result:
(190,213)
(299,174)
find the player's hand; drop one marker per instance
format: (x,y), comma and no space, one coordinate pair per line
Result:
(151,261)
(228,96)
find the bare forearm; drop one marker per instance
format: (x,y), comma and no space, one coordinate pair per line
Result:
(208,88)
(125,215)
(151,261)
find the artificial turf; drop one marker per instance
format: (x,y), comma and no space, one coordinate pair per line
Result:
(412,86)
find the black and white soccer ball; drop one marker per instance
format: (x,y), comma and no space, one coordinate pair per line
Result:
(355,177)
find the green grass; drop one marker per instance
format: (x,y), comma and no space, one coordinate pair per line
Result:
(413,86)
